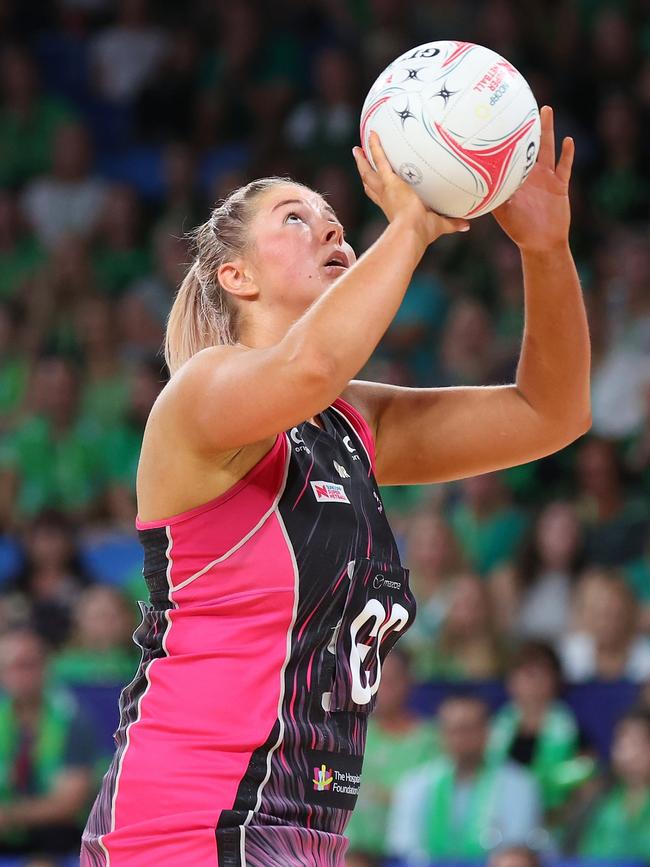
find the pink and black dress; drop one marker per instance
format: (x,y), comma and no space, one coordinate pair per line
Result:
(272,607)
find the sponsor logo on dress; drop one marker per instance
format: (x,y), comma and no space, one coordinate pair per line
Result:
(335,779)
(329,492)
(379,581)
(343,473)
(351,449)
(299,441)
(322,779)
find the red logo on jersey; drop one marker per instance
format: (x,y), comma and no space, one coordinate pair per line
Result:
(329,492)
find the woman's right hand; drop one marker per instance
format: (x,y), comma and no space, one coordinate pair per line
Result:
(397,199)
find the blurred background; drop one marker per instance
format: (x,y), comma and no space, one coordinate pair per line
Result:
(514,721)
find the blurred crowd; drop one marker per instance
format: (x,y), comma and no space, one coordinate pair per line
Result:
(122,122)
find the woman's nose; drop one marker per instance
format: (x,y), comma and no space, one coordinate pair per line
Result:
(333,233)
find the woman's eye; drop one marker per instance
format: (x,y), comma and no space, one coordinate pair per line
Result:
(292,214)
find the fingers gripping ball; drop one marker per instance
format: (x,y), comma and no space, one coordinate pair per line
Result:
(458,122)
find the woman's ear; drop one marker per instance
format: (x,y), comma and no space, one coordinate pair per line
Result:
(235,277)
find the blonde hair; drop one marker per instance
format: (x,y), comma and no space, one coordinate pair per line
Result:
(204,313)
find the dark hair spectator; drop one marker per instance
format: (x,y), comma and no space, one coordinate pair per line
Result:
(536,729)
(48,754)
(46,590)
(533,593)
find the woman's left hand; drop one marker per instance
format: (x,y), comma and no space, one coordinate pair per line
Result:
(538,215)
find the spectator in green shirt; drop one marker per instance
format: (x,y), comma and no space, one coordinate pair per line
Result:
(488,526)
(105,388)
(468,645)
(47,754)
(28,120)
(54,456)
(397,742)
(616,521)
(120,257)
(21,255)
(14,365)
(434,561)
(100,650)
(536,729)
(617,825)
(123,442)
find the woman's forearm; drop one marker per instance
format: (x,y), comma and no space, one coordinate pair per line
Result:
(553,370)
(345,325)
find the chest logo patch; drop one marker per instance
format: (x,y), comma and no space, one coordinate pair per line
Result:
(343,473)
(329,492)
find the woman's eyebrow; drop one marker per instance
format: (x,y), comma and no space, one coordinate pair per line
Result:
(326,207)
(287,202)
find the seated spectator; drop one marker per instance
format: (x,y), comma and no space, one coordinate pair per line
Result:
(621,187)
(434,561)
(514,856)
(53,456)
(60,288)
(538,731)
(616,522)
(469,352)
(29,120)
(360,859)
(489,528)
(324,128)
(165,105)
(413,333)
(180,207)
(21,255)
(159,287)
(533,594)
(621,369)
(124,441)
(101,649)
(461,806)
(105,387)
(616,824)
(397,742)
(70,199)
(14,366)
(46,590)
(605,644)
(125,56)
(468,646)
(47,753)
(140,325)
(120,256)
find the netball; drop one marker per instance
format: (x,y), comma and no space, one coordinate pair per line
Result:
(458,122)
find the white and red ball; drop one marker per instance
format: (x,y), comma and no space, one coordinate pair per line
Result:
(458,122)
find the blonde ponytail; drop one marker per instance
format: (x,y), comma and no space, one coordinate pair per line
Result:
(194,322)
(204,313)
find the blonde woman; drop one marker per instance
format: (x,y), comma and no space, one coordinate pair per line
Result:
(275,581)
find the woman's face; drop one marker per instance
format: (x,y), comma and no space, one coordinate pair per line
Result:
(468,613)
(558,535)
(534,682)
(631,752)
(295,234)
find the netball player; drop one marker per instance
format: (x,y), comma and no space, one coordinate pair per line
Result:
(275,582)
